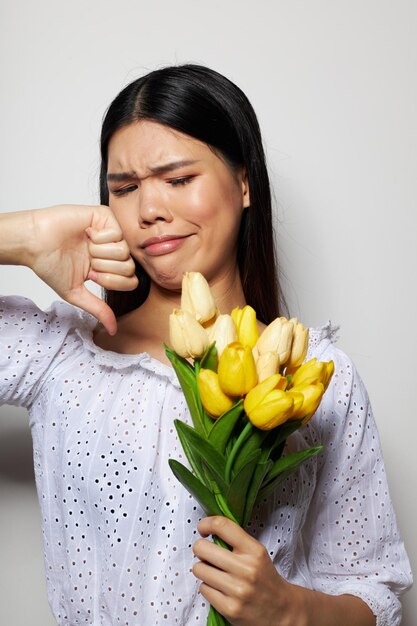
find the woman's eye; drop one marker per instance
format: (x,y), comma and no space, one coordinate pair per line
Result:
(180,181)
(124,190)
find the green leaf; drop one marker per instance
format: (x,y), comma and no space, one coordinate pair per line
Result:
(260,472)
(285,430)
(196,488)
(188,381)
(216,619)
(284,467)
(223,427)
(193,458)
(236,495)
(254,442)
(210,360)
(203,452)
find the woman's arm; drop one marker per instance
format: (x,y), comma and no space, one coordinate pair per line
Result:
(245,587)
(67,245)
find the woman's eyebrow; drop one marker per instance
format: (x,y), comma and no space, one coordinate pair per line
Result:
(158,169)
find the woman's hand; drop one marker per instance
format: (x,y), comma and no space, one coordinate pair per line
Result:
(65,246)
(243,585)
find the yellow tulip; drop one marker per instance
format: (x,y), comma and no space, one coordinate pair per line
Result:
(214,400)
(328,373)
(223,332)
(266,406)
(311,397)
(188,338)
(196,297)
(267,364)
(312,372)
(277,337)
(237,370)
(247,328)
(299,345)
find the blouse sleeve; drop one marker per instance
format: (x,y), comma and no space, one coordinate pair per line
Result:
(351,535)
(30,345)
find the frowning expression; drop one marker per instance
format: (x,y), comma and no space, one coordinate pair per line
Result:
(178,203)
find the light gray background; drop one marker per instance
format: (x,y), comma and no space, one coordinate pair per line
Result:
(334,85)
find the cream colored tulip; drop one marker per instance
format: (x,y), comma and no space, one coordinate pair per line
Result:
(299,345)
(196,297)
(223,332)
(188,338)
(267,364)
(277,337)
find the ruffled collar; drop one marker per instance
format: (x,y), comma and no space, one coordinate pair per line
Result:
(319,339)
(118,360)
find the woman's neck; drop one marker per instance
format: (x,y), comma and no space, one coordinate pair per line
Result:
(146,329)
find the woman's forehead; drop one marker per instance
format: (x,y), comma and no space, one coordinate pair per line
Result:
(149,145)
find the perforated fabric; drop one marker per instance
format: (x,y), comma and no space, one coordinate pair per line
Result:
(118,527)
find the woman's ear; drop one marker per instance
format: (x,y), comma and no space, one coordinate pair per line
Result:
(245,190)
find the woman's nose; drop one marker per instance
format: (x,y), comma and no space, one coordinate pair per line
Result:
(153,206)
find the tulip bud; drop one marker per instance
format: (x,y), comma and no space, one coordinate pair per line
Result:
(247,328)
(299,346)
(312,395)
(277,337)
(223,332)
(266,406)
(214,400)
(312,372)
(188,338)
(196,297)
(237,370)
(267,364)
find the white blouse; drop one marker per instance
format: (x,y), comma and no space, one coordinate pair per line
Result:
(118,527)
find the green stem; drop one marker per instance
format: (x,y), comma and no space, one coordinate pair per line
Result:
(196,366)
(238,444)
(221,543)
(223,505)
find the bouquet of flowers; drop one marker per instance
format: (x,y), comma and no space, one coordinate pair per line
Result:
(247,393)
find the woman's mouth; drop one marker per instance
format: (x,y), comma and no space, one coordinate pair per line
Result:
(164,244)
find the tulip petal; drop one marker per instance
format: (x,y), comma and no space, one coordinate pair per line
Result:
(223,332)
(247,327)
(188,338)
(258,393)
(214,400)
(196,297)
(237,370)
(274,410)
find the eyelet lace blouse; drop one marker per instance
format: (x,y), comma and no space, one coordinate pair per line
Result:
(118,527)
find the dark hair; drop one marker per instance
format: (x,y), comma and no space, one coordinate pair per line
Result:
(203,104)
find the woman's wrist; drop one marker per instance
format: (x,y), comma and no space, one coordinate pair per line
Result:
(17,238)
(322,609)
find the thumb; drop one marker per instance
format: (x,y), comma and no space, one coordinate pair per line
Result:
(87,301)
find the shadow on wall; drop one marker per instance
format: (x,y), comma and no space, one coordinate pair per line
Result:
(16,456)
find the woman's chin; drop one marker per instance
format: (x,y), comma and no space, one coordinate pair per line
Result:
(170,278)
(169,281)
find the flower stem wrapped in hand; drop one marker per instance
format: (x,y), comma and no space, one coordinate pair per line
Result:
(246,395)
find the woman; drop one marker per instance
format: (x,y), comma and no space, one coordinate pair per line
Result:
(184,175)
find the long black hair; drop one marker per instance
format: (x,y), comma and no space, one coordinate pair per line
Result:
(203,104)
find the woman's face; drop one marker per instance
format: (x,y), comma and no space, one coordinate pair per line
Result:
(179,204)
